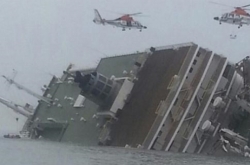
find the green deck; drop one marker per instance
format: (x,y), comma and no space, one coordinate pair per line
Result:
(116,65)
(80,132)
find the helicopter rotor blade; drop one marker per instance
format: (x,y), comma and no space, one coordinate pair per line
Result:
(114,12)
(142,16)
(134,14)
(221,4)
(245,6)
(137,15)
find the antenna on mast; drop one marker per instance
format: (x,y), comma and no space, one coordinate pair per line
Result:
(21,87)
(14,74)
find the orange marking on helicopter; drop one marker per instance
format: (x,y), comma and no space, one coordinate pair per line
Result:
(126,18)
(240,11)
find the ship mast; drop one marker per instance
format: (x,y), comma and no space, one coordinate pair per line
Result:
(21,87)
(15,107)
(26,107)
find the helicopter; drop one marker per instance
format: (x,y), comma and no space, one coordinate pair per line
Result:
(126,21)
(237,17)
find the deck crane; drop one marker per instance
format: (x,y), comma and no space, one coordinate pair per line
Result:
(45,99)
(15,107)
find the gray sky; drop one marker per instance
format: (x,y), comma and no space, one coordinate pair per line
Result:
(39,37)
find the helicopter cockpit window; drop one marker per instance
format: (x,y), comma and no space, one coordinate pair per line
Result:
(224,15)
(231,15)
(123,22)
(136,23)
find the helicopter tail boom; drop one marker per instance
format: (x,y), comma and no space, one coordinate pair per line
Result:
(98,19)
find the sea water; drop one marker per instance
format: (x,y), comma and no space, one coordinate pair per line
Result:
(32,152)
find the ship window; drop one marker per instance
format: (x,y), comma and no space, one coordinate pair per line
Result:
(99,85)
(198,54)
(107,89)
(110,82)
(138,64)
(102,78)
(103,96)
(195,61)
(159,134)
(95,92)
(176,101)
(94,73)
(212,101)
(190,70)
